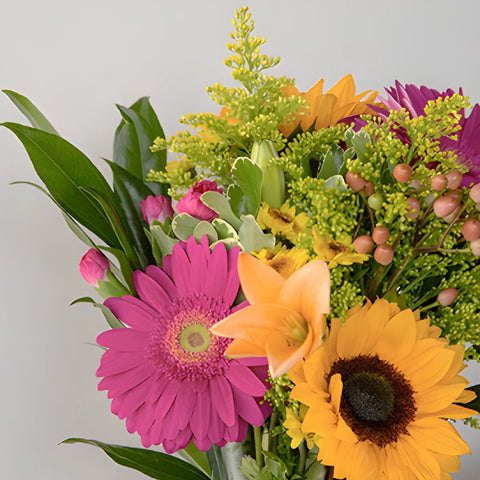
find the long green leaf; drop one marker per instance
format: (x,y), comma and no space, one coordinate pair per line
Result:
(475,403)
(33,114)
(154,464)
(133,139)
(131,191)
(66,172)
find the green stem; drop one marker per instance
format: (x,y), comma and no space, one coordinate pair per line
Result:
(257,432)
(302,459)
(273,422)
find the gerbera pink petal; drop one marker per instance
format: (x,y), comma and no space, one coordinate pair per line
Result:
(180,273)
(166,400)
(162,279)
(247,407)
(118,384)
(200,423)
(150,291)
(128,402)
(123,339)
(132,312)
(216,428)
(232,432)
(244,379)
(183,410)
(196,254)
(222,400)
(113,362)
(217,271)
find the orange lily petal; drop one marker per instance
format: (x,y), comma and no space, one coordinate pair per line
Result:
(260,283)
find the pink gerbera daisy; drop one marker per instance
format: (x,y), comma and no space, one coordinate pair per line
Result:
(167,374)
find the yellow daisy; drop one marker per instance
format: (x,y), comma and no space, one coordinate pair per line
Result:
(284,261)
(326,109)
(379,389)
(283,221)
(335,252)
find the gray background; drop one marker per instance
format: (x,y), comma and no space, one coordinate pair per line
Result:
(75,60)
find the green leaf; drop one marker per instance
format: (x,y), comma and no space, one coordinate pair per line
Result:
(131,191)
(337,182)
(215,461)
(192,454)
(219,203)
(164,242)
(224,229)
(111,319)
(252,237)
(66,172)
(154,464)
(183,225)
(133,139)
(126,270)
(246,195)
(33,114)
(205,228)
(475,403)
(333,163)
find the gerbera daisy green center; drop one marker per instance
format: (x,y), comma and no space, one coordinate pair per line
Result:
(195,338)
(377,400)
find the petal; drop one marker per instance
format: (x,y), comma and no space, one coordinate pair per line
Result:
(132,312)
(244,379)
(222,400)
(200,420)
(247,408)
(260,283)
(113,362)
(121,383)
(162,279)
(150,291)
(167,399)
(307,291)
(216,274)
(183,409)
(123,339)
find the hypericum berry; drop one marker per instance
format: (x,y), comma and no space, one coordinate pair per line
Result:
(475,247)
(439,182)
(380,235)
(363,244)
(471,229)
(355,181)
(447,296)
(454,178)
(402,173)
(375,201)
(475,193)
(414,208)
(369,188)
(450,218)
(416,184)
(383,254)
(444,206)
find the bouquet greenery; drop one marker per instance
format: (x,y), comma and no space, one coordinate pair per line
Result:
(292,297)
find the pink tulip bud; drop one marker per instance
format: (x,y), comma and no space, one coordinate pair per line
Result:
(193,205)
(94,267)
(156,208)
(363,244)
(447,296)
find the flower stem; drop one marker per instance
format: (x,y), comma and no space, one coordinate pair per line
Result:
(302,459)
(257,432)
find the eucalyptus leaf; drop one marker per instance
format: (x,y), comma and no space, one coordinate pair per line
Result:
(219,203)
(183,225)
(153,464)
(337,182)
(252,237)
(67,172)
(205,228)
(224,229)
(333,163)
(246,195)
(359,141)
(31,112)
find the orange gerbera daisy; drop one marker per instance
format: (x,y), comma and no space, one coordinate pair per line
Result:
(285,320)
(326,109)
(379,389)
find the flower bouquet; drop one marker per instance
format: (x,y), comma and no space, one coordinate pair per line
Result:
(295,295)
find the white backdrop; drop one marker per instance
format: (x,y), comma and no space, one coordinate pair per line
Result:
(75,60)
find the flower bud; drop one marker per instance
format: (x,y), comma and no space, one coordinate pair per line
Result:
(450,218)
(355,181)
(380,235)
(363,244)
(369,188)
(375,201)
(447,296)
(156,208)
(403,172)
(439,182)
(454,179)
(273,185)
(446,205)
(192,204)
(414,206)
(94,267)
(383,254)
(475,193)
(475,247)
(471,229)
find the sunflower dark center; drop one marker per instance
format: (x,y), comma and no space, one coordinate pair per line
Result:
(377,400)
(369,396)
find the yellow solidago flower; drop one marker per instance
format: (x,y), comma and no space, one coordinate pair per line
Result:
(283,221)
(379,390)
(293,424)
(333,252)
(284,261)
(327,109)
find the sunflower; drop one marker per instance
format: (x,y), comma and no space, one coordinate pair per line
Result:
(167,375)
(335,252)
(379,389)
(284,261)
(327,109)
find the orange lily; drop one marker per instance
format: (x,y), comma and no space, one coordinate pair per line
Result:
(285,320)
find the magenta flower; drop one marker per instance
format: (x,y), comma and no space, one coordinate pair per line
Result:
(466,146)
(192,204)
(94,267)
(156,208)
(166,373)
